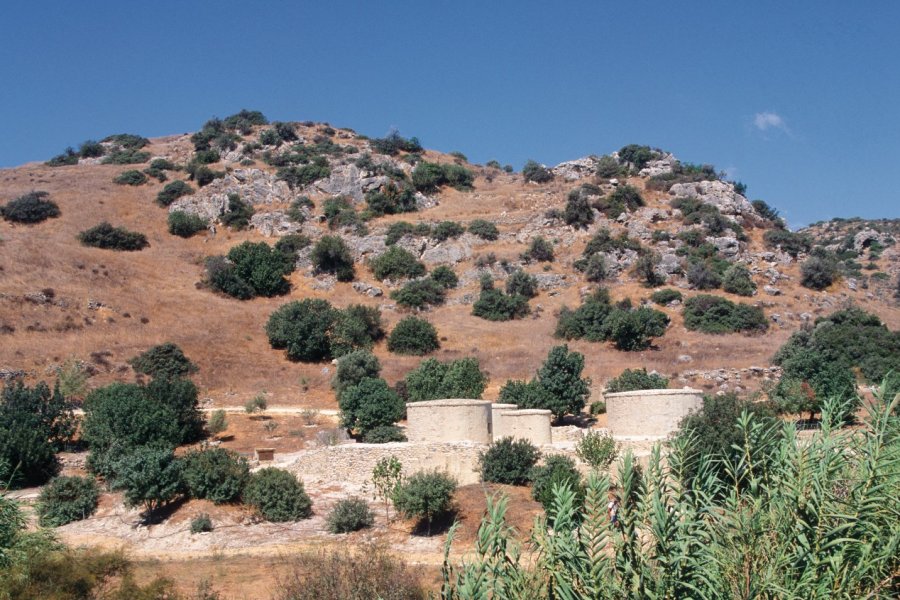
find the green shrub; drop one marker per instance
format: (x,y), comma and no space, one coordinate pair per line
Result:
(560,376)
(494,305)
(215,474)
(217,422)
(302,328)
(291,245)
(180,396)
(67,499)
(645,269)
(298,211)
(348,515)
(635,329)
(149,477)
(185,224)
(702,276)
(603,241)
(369,404)
(429,177)
(394,143)
(484,229)
(509,461)
(714,314)
(131,177)
(165,360)
(598,407)
(33,207)
(277,495)
(556,470)
(357,327)
(578,212)
(396,263)
(396,231)
(737,280)
(420,293)
(391,200)
(608,167)
(383,434)
(595,268)
(202,523)
(238,213)
(446,230)
(433,380)
(256,404)
(765,211)
(252,269)
(525,394)
(91,149)
(129,141)
(107,237)
(126,156)
(536,172)
(818,272)
(444,277)
(173,191)
(540,250)
(353,367)
(162,164)
(331,255)
(298,177)
(638,156)
(787,241)
(625,198)
(340,212)
(68,157)
(636,379)
(521,283)
(666,296)
(206,157)
(413,336)
(597,449)
(35,423)
(427,495)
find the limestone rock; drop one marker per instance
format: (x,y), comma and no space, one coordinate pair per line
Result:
(772,290)
(274,223)
(864,239)
(660,166)
(574,170)
(718,193)
(449,251)
(728,246)
(253,186)
(367,289)
(349,180)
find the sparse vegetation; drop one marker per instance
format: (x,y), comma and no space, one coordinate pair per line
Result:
(131,177)
(173,191)
(429,177)
(67,499)
(107,237)
(714,314)
(331,255)
(185,224)
(536,172)
(484,229)
(277,495)
(238,214)
(396,263)
(494,305)
(33,207)
(413,335)
(539,250)
(349,515)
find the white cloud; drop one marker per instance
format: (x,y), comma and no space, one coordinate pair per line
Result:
(769,120)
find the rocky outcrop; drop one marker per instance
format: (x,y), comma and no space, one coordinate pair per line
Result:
(253,185)
(348,180)
(274,223)
(449,251)
(573,170)
(660,166)
(718,193)
(867,237)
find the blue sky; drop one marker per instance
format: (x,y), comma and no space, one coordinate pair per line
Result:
(799,100)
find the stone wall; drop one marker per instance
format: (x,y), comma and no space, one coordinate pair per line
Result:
(449,421)
(497,425)
(530,424)
(649,414)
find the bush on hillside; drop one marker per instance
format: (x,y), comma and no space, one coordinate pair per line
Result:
(238,213)
(594,268)
(396,263)
(509,461)
(332,255)
(446,230)
(737,280)
(645,269)
(185,224)
(164,360)
(540,250)
(291,245)
(68,157)
(557,470)
(396,231)
(560,375)
(608,167)
(494,305)
(369,404)
(703,277)
(391,200)
(429,177)
(536,172)
(67,499)
(637,155)
(301,176)
(578,212)
(107,237)
(420,293)
(130,177)
(91,149)
(818,272)
(444,277)
(353,367)
(484,229)
(666,296)
(625,198)
(788,241)
(126,156)
(636,379)
(714,314)
(299,209)
(149,477)
(635,329)
(426,495)
(302,328)
(349,515)
(277,495)
(521,283)
(393,143)
(215,474)
(252,269)
(173,191)
(32,207)
(413,336)
(433,380)
(765,211)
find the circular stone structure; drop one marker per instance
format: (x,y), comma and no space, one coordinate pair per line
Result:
(497,424)
(649,414)
(449,421)
(531,424)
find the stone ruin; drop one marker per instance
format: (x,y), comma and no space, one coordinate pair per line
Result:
(649,414)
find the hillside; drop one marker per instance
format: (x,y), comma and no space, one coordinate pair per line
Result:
(62,300)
